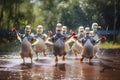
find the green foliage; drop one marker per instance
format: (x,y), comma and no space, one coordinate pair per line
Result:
(10,46)
(72,13)
(110,45)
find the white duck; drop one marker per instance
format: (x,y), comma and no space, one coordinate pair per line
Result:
(97,46)
(40,46)
(26,49)
(77,47)
(87,50)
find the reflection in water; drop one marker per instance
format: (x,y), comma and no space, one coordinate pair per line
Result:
(106,67)
(61,66)
(89,71)
(61,71)
(45,69)
(9,75)
(37,71)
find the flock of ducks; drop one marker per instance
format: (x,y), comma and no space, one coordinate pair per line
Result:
(85,42)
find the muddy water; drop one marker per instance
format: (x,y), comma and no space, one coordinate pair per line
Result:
(12,68)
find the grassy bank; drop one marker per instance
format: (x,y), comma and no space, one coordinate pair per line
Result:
(110,45)
(11,46)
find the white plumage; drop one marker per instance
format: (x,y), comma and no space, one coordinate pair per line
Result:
(40,45)
(87,51)
(77,47)
(97,46)
(26,48)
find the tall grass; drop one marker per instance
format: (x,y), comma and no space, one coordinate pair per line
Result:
(110,45)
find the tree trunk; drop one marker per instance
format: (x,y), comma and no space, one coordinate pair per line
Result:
(115,17)
(1,17)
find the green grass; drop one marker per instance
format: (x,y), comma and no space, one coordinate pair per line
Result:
(11,46)
(110,45)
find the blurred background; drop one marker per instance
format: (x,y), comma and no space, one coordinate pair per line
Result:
(71,13)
